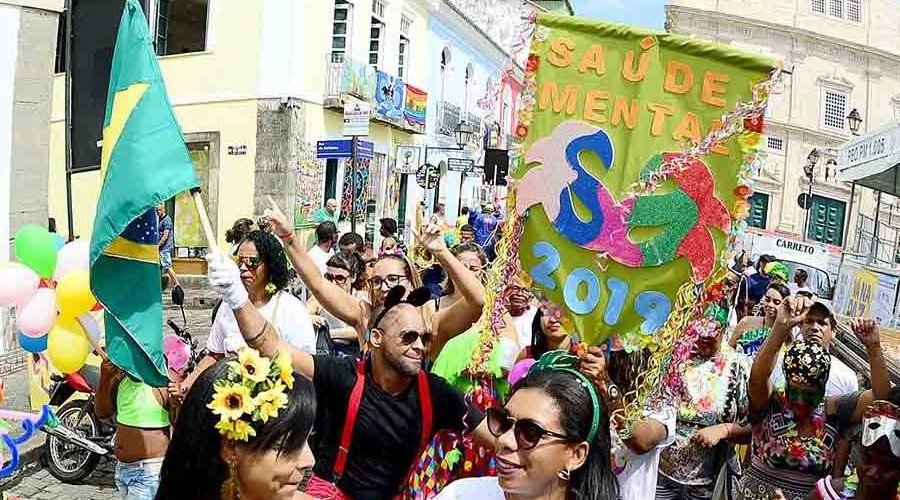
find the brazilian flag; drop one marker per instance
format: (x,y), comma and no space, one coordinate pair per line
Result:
(144,162)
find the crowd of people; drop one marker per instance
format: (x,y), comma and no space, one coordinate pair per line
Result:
(335,388)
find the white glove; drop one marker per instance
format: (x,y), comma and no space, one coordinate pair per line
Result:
(225,279)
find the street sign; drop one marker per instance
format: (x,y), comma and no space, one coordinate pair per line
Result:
(430,173)
(407,159)
(342,149)
(460,164)
(356,118)
(803,200)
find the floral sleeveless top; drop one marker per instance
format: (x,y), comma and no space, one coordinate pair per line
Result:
(750,341)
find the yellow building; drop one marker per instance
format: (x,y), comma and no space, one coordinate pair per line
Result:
(254,86)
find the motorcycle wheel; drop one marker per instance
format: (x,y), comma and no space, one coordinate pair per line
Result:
(67,461)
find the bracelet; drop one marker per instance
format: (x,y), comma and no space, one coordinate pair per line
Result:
(258,339)
(286,234)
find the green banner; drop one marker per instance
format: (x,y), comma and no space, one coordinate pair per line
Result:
(616,217)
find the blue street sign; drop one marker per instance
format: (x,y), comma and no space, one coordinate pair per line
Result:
(342,149)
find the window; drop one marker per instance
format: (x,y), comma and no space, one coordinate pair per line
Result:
(759,210)
(62,42)
(375,33)
(836,8)
(775,144)
(402,56)
(850,10)
(834,110)
(181,26)
(340,31)
(378,8)
(826,220)
(470,76)
(853,10)
(445,63)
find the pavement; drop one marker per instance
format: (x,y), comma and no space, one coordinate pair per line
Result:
(32,481)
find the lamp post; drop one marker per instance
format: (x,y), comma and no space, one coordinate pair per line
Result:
(854,120)
(809,169)
(463,134)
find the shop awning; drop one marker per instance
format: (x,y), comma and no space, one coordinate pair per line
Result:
(872,160)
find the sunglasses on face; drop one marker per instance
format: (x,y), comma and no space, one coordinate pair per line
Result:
(526,431)
(250,262)
(796,395)
(409,337)
(337,279)
(391,280)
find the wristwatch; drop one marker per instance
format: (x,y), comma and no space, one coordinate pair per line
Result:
(613,392)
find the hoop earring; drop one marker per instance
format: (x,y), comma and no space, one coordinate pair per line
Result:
(229,487)
(564,474)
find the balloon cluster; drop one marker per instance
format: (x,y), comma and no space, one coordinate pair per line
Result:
(49,287)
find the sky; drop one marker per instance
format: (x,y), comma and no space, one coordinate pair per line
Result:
(644,13)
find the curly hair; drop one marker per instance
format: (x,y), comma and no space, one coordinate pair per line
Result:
(272,255)
(239,230)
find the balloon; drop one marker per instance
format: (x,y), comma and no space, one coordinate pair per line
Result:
(36,248)
(75,255)
(17,284)
(32,344)
(67,346)
(37,316)
(60,242)
(73,294)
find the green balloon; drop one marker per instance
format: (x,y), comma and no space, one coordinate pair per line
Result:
(36,248)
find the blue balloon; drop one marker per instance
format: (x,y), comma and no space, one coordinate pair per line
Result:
(60,242)
(33,344)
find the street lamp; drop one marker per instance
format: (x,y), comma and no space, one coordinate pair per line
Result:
(854,120)
(809,169)
(463,135)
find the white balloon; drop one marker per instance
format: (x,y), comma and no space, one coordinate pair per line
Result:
(17,284)
(39,314)
(75,255)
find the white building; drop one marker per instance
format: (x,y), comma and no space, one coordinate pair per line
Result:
(840,55)
(27,41)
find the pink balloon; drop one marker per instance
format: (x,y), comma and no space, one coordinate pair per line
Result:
(17,284)
(75,255)
(37,316)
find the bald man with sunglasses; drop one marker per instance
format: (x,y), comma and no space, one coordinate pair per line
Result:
(372,420)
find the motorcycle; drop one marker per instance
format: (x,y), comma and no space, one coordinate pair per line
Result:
(74,446)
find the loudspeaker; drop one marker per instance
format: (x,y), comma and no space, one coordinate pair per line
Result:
(94,24)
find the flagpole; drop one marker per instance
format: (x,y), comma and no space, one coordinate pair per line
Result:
(204,219)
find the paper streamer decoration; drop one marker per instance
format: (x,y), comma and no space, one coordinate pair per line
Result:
(30,423)
(630,146)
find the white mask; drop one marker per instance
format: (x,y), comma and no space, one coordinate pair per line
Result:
(878,424)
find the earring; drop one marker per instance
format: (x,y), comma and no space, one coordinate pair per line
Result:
(229,487)
(564,474)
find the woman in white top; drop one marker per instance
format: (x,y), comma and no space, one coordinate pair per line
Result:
(551,439)
(264,273)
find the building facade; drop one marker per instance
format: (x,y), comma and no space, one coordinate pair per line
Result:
(257,85)
(27,41)
(838,56)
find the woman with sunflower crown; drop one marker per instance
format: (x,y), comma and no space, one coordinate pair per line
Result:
(242,432)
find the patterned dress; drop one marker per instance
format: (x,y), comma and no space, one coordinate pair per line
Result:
(780,458)
(714,392)
(750,341)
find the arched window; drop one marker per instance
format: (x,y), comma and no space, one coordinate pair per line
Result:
(469,81)
(445,64)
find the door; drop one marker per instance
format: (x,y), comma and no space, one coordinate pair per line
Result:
(827,220)
(759,210)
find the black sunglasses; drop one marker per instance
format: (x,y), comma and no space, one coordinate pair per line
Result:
(409,337)
(251,262)
(391,280)
(337,279)
(527,432)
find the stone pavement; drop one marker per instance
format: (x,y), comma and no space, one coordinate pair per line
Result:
(32,481)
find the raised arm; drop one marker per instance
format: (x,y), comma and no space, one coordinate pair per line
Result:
(459,317)
(332,298)
(225,279)
(791,313)
(739,329)
(868,333)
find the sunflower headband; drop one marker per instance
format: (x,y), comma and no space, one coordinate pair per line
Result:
(253,390)
(562,361)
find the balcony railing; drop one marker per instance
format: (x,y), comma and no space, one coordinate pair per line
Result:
(448,118)
(393,101)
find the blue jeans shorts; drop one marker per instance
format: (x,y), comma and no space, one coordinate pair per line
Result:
(138,480)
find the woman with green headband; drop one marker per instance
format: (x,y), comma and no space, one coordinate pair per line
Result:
(551,439)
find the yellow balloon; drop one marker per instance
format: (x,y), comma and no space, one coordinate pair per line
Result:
(73,294)
(68,346)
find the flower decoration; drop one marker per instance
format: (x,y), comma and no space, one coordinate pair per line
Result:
(532,63)
(743,191)
(755,124)
(254,390)
(271,288)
